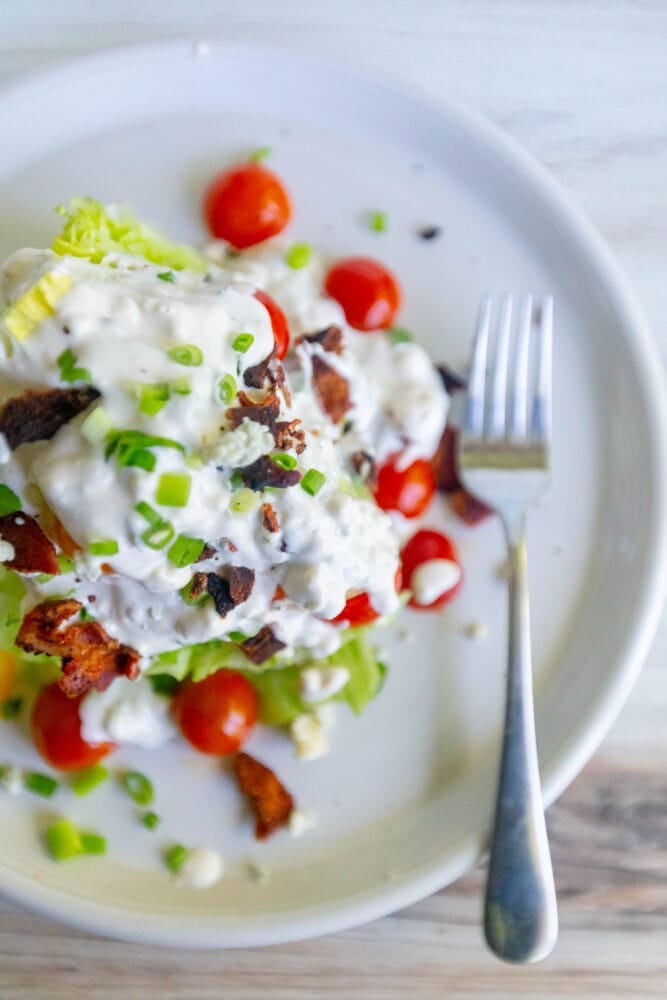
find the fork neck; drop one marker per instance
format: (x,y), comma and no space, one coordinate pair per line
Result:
(514,523)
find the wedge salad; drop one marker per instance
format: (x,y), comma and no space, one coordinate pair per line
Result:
(205,460)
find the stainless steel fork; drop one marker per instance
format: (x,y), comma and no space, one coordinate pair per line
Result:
(503,460)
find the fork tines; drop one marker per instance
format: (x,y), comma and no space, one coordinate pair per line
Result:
(509,389)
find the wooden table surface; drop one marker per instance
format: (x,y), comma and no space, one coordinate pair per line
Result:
(584,87)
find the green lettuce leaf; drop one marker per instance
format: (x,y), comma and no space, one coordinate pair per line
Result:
(91,232)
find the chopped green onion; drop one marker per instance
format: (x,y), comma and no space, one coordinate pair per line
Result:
(313,481)
(86,616)
(87,781)
(150,820)
(173,489)
(244,501)
(68,371)
(63,840)
(175,857)
(66,563)
(260,154)
(148,513)
(194,461)
(9,502)
(158,536)
(237,636)
(153,398)
(105,547)
(142,459)
(164,684)
(378,221)
(298,255)
(236,480)
(242,342)
(193,602)
(227,388)
(185,551)
(186,354)
(399,335)
(138,787)
(166,276)
(284,460)
(40,784)
(131,448)
(96,426)
(11,708)
(93,843)
(182,386)
(44,577)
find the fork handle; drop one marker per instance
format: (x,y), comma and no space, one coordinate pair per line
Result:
(520,913)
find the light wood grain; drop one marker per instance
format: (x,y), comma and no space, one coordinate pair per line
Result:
(584,86)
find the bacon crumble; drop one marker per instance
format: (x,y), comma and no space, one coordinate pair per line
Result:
(269,518)
(264,472)
(90,657)
(329,339)
(33,551)
(287,434)
(270,801)
(332,390)
(37,414)
(364,466)
(231,587)
(261,647)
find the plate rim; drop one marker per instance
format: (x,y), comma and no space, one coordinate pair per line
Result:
(599,717)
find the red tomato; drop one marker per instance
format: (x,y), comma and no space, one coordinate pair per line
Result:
(369,293)
(358,610)
(217,714)
(408,491)
(56,731)
(246,205)
(278,322)
(422,547)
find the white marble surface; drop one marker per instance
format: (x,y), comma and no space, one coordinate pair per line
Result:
(584,87)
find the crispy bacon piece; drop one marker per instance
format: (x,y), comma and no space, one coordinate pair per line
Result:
(263,472)
(33,551)
(265,411)
(332,390)
(37,414)
(206,553)
(469,508)
(271,803)
(451,380)
(364,466)
(261,647)
(287,434)
(329,339)
(443,462)
(233,586)
(257,376)
(90,657)
(269,518)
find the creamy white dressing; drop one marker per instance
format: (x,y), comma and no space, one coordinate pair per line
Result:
(120,320)
(433,578)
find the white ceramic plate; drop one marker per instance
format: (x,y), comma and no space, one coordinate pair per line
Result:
(404,801)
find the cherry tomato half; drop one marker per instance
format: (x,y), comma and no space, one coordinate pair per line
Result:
(278,322)
(423,547)
(56,731)
(358,609)
(217,714)
(368,292)
(246,205)
(408,491)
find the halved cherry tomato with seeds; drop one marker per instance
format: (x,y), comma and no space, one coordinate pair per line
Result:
(368,292)
(56,731)
(278,322)
(358,609)
(246,205)
(408,491)
(426,546)
(216,715)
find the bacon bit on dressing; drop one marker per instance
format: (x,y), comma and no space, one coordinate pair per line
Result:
(270,801)
(233,586)
(33,551)
(90,657)
(37,414)
(364,466)
(287,434)
(264,411)
(329,339)
(269,518)
(264,472)
(261,647)
(469,508)
(332,390)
